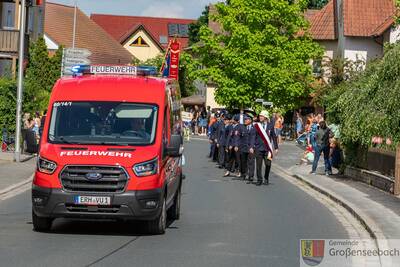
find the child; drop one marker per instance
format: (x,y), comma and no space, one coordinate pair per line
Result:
(308,156)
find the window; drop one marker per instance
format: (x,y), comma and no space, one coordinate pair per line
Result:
(317,67)
(163,39)
(183,30)
(139,42)
(105,123)
(179,30)
(7,15)
(173,29)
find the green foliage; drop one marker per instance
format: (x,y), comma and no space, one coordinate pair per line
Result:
(194,28)
(41,74)
(187,74)
(317,4)
(368,104)
(260,53)
(8,100)
(155,61)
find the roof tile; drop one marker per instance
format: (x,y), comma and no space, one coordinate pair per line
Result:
(119,27)
(59,27)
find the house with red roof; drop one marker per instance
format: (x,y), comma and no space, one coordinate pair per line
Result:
(354,29)
(144,37)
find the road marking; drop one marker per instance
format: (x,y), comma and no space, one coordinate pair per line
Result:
(16,189)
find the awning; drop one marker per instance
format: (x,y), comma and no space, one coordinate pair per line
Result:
(194,100)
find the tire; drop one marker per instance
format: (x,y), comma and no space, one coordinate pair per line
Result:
(41,224)
(159,225)
(174,211)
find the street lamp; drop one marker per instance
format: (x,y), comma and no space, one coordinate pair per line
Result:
(21,51)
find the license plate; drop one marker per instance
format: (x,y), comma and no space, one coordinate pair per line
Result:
(92,200)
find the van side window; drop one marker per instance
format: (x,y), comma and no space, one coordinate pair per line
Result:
(175,110)
(165,130)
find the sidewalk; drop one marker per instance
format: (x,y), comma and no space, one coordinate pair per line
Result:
(377,210)
(13,175)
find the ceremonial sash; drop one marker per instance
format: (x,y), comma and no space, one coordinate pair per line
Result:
(265,138)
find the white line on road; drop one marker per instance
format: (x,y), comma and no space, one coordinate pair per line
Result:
(16,189)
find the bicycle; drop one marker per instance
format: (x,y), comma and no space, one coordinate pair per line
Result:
(8,143)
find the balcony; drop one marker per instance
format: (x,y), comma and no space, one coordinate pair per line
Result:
(9,41)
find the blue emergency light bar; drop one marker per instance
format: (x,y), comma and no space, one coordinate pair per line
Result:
(114,70)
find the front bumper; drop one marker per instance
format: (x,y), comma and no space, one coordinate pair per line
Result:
(130,205)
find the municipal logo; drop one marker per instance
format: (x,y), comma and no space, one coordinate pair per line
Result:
(312,251)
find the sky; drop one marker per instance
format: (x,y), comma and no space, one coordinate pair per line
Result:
(190,9)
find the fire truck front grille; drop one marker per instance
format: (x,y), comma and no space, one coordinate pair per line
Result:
(103,179)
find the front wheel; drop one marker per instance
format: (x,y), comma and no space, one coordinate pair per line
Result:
(159,225)
(41,224)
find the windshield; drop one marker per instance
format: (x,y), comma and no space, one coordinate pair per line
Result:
(104,123)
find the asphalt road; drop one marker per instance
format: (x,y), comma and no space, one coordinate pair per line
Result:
(223,223)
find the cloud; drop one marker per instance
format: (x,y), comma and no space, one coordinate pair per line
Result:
(165,10)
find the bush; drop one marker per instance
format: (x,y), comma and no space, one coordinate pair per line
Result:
(8,97)
(368,105)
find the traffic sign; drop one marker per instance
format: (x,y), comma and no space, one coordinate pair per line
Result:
(77,53)
(74,57)
(70,61)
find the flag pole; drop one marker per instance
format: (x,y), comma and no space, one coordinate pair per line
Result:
(17,153)
(74,27)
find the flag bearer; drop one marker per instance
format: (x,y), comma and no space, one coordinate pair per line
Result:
(266,144)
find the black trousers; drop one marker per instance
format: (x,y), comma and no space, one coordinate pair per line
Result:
(244,158)
(214,151)
(261,156)
(251,163)
(234,160)
(221,156)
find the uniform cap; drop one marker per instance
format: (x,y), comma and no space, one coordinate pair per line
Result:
(247,117)
(228,116)
(264,113)
(236,118)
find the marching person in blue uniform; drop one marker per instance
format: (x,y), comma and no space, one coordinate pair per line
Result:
(266,145)
(221,139)
(233,144)
(246,158)
(213,138)
(228,128)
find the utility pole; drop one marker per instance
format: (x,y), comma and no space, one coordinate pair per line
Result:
(20,80)
(74,27)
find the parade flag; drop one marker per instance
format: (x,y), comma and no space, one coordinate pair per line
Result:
(264,136)
(170,66)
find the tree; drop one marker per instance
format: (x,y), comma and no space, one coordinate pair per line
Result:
(263,51)
(41,74)
(317,4)
(194,27)
(8,103)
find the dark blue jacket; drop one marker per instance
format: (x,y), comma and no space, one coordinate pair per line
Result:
(234,135)
(245,139)
(221,134)
(213,130)
(258,143)
(228,130)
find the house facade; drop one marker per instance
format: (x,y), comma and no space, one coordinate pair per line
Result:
(9,31)
(355,30)
(144,37)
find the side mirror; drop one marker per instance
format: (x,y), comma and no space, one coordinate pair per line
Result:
(175,148)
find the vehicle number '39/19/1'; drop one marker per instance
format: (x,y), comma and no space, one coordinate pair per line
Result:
(92,200)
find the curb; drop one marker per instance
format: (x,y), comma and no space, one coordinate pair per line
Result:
(16,186)
(371,227)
